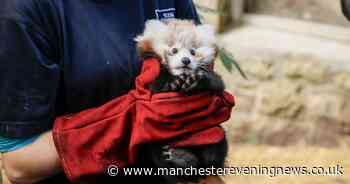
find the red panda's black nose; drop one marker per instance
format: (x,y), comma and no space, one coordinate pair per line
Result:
(186,61)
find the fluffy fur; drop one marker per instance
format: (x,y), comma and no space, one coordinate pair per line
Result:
(186,53)
(176,40)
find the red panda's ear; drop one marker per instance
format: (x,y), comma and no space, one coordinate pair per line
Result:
(144,47)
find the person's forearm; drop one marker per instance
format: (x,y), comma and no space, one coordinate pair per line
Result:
(32,163)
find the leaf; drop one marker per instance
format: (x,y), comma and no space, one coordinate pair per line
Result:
(226,61)
(229,61)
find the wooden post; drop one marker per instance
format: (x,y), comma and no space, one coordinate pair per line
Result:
(249,5)
(220,12)
(237,10)
(215,12)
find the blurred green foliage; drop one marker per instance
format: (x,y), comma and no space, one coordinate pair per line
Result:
(229,61)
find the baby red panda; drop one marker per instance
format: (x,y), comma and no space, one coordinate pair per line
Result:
(186,52)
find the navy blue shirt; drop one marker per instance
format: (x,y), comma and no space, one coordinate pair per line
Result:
(64,56)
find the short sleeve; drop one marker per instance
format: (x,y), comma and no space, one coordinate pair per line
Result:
(29,79)
(186,10)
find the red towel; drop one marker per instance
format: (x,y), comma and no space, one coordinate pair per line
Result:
(88,142)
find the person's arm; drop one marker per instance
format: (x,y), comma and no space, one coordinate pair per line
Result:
(32,163)
(346,8)
(29,78)
(185,9)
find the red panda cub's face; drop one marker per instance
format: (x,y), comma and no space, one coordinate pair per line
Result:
(182,46)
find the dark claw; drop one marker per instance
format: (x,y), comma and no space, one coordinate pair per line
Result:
(167,154)
(191,88)
(200,74)
(174,86)
(193,81)
(178,82)
(190,80)
(183,77)
(179,157)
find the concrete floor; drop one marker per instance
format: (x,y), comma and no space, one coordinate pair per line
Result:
(267,35)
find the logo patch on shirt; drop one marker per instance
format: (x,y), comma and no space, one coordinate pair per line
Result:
(165,13)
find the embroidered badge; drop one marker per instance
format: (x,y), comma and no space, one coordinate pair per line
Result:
(165,13)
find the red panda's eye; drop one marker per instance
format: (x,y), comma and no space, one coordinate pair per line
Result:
(193,52)
(174,50)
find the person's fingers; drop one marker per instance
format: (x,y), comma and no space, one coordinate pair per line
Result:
(4,178)
(346,8)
